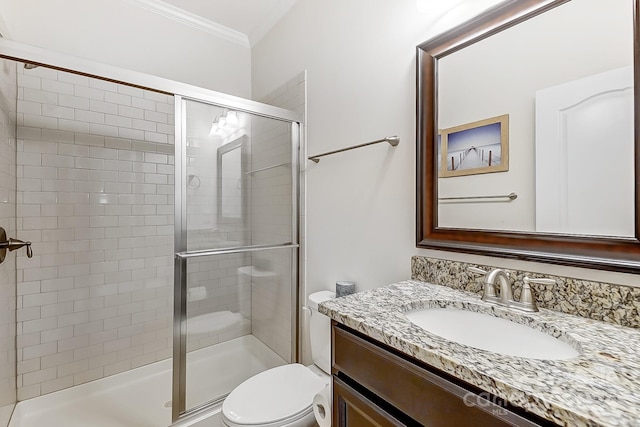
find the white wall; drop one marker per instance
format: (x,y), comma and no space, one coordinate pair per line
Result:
(360,62)
(120,34)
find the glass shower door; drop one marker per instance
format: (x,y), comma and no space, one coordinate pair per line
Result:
(236,260)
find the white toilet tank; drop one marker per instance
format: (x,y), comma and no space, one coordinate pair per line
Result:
(320,331)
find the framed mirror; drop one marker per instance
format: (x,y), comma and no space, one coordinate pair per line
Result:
(232,192)
(527,134)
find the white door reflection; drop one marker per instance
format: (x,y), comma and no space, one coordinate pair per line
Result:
(584,156)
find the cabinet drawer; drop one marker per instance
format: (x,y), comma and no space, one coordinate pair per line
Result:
(352,409)
(422,395)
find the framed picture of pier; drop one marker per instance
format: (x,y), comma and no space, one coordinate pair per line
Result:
(475,148)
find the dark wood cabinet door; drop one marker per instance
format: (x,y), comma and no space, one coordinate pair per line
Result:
(412,391)
(352,409)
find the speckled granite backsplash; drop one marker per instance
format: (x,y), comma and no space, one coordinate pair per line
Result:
(610,303)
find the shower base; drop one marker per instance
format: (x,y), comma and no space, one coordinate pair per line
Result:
(141,397)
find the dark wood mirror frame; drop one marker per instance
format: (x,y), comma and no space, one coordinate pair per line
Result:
(616,254)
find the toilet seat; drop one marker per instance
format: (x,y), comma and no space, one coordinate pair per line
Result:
(273,398)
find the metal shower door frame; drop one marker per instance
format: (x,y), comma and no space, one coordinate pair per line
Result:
(182,254)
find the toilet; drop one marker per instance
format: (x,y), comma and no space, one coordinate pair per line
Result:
(283,396)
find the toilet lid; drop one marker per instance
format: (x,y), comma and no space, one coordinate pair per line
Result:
(273,395)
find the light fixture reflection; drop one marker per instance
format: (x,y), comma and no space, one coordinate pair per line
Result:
(232,118)
(225,124)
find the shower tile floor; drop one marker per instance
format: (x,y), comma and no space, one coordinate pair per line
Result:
(142,397)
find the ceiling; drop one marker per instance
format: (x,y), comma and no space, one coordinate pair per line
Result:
(240,21)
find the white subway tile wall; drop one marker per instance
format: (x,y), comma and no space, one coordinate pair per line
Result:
(95,196)
(8,93)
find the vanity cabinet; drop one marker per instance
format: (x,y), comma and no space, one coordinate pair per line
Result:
(357,410)
(375,385)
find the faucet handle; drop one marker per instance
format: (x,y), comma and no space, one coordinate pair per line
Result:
(527,298)
(542,281)
(477,270)
(11,245)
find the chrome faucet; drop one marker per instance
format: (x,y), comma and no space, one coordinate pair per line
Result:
(505,298)
(506,291)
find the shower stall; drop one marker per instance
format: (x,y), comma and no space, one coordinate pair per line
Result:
(163,221)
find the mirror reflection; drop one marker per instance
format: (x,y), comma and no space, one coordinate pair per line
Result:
(231,179)
(536,125)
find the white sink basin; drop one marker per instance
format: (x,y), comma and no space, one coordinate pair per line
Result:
(491,333)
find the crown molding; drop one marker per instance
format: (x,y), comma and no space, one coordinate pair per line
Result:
(195,21)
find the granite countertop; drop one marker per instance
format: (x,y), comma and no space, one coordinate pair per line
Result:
(600,387)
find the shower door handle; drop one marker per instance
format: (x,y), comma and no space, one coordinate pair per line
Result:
(12,245)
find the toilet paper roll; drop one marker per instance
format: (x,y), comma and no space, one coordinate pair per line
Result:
(196,294)
(322,406)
